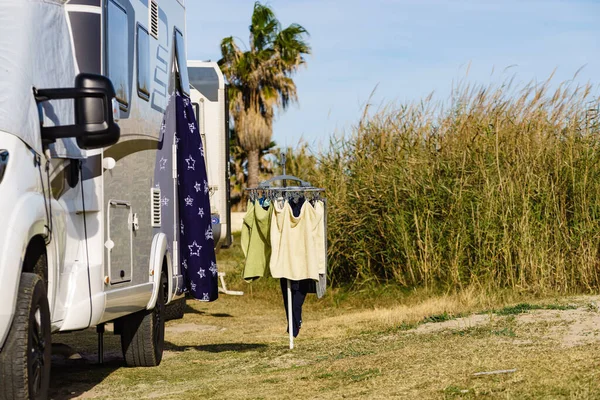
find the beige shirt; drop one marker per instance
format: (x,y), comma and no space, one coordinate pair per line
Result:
(297,243)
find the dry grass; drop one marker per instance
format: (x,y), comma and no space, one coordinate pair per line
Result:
(236,348)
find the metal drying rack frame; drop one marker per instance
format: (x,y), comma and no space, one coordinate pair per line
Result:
(266,189)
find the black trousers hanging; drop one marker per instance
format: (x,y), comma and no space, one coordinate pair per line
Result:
(299,288)
(299,291)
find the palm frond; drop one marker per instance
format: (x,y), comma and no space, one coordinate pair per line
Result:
(260,78)
(291,46)
(263,28)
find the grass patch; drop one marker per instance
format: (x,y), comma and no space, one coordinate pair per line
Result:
(526,307)
(483,331)
(358,375)
(438,318)
(352,351)
(406,326)
(454,391)
(509,332)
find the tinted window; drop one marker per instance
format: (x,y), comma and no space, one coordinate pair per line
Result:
(143,63)
(86,37)
(117,56)
(206,81)
(181,62)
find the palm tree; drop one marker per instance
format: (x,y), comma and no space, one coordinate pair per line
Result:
(260,79)
(238,169)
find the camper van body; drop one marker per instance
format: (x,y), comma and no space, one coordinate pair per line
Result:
(209,98)
(96,215)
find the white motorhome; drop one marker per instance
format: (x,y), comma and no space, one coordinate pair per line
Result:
(86,236)
(209,98)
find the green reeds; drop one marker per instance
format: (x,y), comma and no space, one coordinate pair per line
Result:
(500,189)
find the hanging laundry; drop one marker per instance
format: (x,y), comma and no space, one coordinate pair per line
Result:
(315,243)
(320,240)
(255,239)
(196,248)
(293,246)
(299,291)
(297,239)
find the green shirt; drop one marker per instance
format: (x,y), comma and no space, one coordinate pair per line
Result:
(256,243)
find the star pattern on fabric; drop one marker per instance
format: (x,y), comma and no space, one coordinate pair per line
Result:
(196,235)
(157,186)
(213,268)
(162,163)
(190,163)
(163,127)
(195,246)
(165,201)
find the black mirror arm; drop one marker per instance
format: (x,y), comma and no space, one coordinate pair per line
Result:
(68,131)
(70,93)
(62,132)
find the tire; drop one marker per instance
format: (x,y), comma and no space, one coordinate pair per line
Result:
(175,309)
(143,333)
(26,357)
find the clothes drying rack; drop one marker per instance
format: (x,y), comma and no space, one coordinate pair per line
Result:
(303,189)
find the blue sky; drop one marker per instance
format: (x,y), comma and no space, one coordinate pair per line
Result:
(407,48)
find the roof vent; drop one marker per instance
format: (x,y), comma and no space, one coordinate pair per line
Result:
(154,18)
(155,207)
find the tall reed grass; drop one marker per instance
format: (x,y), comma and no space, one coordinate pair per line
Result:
(501,189)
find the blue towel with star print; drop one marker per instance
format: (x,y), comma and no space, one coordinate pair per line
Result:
(196,248)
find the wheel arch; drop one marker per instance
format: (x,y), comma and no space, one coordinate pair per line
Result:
(36,248)
(29,231)
(160,260)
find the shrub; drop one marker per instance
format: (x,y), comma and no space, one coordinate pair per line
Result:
(500,189)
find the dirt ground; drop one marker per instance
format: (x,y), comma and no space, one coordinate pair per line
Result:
(237,348)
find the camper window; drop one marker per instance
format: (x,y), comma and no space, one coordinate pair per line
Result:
(117,44)
(182,63)
(197,111)
(143,63)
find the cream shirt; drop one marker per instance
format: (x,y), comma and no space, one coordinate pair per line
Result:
(297,243)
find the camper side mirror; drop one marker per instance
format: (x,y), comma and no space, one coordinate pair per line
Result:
(95,125)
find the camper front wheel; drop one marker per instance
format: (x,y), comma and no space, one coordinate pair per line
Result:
(143,333)
(25,359)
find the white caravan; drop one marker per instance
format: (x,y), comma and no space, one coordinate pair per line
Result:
(86,236)
(209,98)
